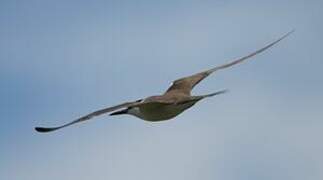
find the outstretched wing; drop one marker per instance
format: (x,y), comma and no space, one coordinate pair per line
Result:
(89,116)
(186,84)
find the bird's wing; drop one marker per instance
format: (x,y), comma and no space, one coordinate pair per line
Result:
(186,84)
(91,115)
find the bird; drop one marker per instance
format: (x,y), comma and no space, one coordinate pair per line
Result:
(173,102)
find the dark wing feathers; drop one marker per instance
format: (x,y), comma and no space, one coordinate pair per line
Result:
(106,110)
(186,84)
(89,116)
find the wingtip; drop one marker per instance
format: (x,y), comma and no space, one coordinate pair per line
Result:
(43,129)
(290,32)
(286,35)
(225,90)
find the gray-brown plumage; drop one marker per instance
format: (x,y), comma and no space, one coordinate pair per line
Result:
(173,102)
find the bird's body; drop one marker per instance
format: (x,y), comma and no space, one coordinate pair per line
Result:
(157,111)
(173,102)
(164,107)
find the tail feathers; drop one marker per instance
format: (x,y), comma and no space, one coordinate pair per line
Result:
(216,93)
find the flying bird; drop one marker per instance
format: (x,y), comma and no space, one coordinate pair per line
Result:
(173,102)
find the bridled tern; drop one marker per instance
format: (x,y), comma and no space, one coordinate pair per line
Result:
(173,102)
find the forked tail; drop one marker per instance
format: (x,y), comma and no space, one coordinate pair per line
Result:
(216,93)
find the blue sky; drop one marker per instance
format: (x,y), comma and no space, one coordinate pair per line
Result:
(62,59)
